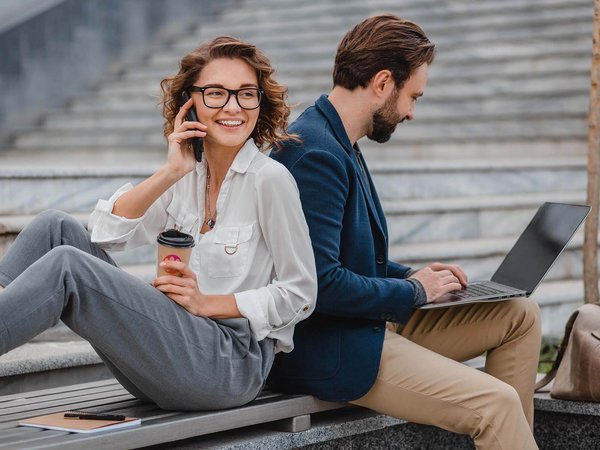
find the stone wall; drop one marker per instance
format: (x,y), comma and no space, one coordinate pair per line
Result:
(63,47)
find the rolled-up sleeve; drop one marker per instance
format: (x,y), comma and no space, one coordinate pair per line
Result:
(273,310)
(113,232)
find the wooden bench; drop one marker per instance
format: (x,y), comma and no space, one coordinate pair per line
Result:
(287,412)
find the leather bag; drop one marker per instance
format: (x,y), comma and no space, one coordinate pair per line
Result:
(576,370)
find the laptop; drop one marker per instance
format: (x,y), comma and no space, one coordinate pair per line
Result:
(528,262)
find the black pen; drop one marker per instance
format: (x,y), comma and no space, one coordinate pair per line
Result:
(93,416)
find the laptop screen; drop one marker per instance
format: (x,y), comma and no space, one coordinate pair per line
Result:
(539,246)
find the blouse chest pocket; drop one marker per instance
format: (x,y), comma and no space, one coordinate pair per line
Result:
(180,219)
(228,252)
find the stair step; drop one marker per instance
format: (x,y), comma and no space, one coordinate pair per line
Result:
(277,10)
(421,133)
(456,178)
(78,184)
(482,256)
(465,151)
(430,220)
(441,17)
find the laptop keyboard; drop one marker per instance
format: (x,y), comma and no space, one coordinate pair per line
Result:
(476,291)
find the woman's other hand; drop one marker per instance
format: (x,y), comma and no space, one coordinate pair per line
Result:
(180,157)
(185,292)
(182,290)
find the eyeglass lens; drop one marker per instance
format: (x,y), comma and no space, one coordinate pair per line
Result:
(218,97)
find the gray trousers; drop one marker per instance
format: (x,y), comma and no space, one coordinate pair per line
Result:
(156,349)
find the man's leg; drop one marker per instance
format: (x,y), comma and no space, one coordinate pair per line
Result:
(510,332)
(418,385)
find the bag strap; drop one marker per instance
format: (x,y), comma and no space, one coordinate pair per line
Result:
(561,350)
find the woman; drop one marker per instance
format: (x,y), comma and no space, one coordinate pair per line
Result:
(205,340)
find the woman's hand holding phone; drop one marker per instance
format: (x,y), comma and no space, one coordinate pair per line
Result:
(180,156)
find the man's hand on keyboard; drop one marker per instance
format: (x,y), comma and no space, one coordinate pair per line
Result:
(439,279)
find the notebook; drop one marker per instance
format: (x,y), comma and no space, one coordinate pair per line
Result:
(57,421)
(528,262)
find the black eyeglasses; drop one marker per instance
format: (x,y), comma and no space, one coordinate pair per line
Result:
(217,97)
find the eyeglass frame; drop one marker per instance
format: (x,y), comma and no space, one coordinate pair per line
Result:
(231,92)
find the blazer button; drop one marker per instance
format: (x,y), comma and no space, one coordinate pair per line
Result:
(380,259)
(376,329)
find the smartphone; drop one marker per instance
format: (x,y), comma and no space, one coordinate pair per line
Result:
(197,143)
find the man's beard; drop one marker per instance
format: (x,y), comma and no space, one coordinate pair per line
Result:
(385,120)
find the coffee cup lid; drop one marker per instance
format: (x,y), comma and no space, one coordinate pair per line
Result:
(175,238)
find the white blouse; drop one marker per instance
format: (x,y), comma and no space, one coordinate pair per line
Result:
(269,264)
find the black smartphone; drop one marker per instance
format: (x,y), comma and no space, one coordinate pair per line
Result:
(197,143)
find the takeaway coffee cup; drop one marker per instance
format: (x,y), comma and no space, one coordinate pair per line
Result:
(173,245)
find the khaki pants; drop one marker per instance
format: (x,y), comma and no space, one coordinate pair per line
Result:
(421,380)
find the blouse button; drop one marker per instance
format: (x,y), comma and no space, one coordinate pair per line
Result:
(305,308)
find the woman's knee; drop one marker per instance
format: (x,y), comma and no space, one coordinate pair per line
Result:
(52,216)
(69,228)
(65,255)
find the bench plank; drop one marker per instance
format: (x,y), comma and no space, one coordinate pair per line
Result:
(30,439)
(25,402)
(158,426)
(167,426)
(9,413)
(61,389)
(81,404)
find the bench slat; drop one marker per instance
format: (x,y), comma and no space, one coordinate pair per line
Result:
(186,425)
(77,405)
(70,388)
(20,431)
(32,408)
(13,441)
(25,402)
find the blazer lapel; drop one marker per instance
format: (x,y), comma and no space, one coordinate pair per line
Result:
(330,113)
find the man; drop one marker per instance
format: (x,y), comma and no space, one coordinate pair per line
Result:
(344,352)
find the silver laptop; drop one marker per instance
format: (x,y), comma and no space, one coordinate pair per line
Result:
(530,259)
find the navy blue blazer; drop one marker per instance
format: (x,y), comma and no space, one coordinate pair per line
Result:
(338,348)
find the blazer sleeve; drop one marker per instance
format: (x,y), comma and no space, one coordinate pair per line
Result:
(324,184)
(396,270)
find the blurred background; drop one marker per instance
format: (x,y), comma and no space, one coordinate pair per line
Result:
(501,129)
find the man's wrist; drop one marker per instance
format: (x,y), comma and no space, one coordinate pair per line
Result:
(420,297)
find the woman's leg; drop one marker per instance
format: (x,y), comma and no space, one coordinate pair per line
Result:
(46,231)
(177,360)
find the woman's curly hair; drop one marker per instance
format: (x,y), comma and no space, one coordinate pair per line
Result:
(274,111)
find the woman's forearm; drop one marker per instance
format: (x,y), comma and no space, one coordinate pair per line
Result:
(135,202)
(220,307)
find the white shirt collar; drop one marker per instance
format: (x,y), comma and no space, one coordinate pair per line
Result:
(241,162)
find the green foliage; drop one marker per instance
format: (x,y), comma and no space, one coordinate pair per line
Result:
(548,353)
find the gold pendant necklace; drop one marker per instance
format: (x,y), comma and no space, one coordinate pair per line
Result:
(211,219)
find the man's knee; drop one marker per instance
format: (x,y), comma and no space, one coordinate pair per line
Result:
(526,312)
(503,401)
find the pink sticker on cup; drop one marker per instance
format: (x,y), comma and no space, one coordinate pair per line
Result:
(172,258)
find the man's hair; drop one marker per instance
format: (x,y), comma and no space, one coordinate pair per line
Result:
(378,43)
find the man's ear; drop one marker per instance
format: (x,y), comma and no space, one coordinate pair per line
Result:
(382,83)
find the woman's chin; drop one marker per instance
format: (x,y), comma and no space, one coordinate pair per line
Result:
(230,141)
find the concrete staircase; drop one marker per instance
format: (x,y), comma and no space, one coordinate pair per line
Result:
(501,128)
